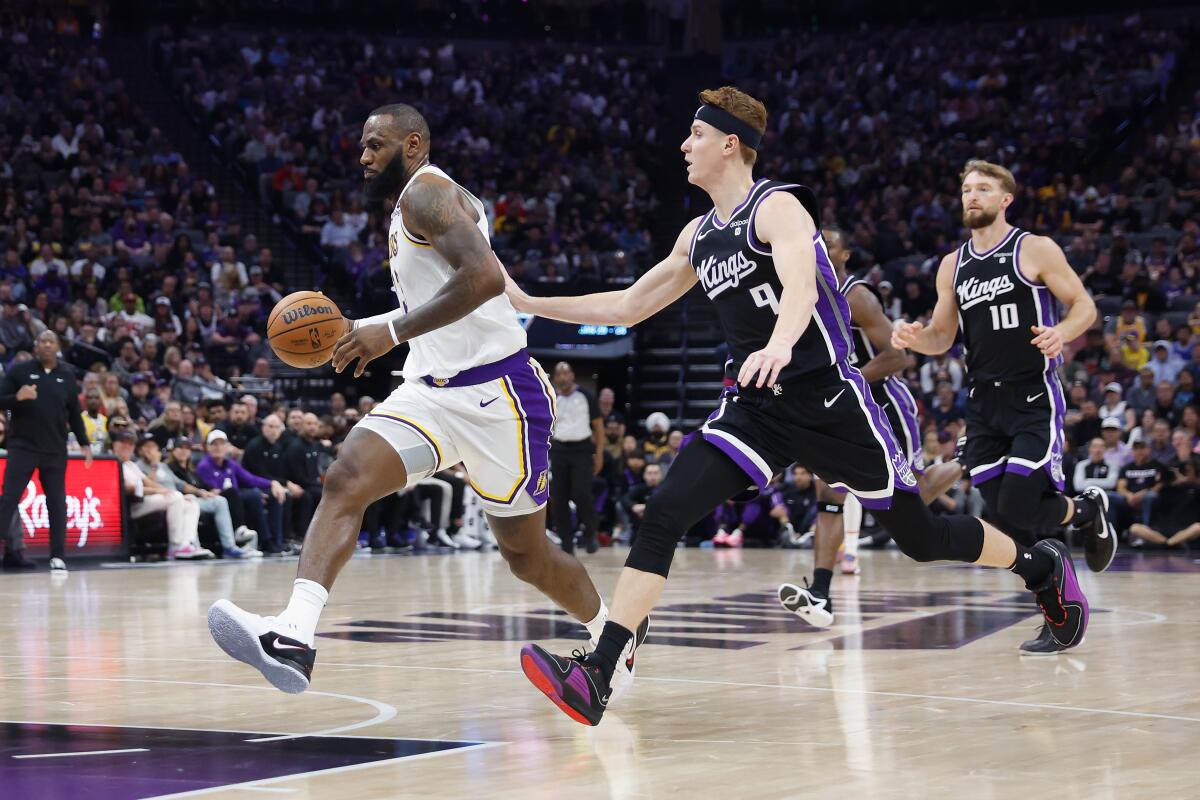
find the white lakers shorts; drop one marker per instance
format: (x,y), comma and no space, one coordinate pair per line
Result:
(495,419)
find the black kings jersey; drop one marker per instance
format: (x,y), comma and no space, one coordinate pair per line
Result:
(997,309)
(863,351)
(738,274)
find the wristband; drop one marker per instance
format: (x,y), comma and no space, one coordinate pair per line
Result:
(392,330)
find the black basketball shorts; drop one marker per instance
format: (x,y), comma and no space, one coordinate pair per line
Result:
(1015,427)
(827,421)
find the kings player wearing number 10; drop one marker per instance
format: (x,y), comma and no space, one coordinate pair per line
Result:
(759,256)
(1002,288)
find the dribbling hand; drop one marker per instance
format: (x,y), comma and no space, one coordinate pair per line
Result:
(904,334)
(366,343)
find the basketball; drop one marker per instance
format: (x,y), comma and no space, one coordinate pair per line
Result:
(303,328)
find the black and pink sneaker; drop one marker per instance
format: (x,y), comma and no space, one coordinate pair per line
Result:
(1062,601)
(576,687)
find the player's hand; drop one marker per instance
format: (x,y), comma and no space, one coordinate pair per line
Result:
(598,463)
(87,457)
(766,364)
(27,392)
(904,334)
(295,489)
(365,343)
(278,492)
(516,295)
(1048,340)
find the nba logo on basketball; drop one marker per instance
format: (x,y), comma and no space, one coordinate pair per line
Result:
(314,336)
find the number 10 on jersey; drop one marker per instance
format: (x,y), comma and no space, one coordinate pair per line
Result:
(1004,316)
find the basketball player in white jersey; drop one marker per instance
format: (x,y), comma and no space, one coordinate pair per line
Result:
(471,393)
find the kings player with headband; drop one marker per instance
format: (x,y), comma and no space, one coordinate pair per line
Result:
(471,393)
(759,256)
(1002,288)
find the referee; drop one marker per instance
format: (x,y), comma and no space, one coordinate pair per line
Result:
(44,400)
(576,456)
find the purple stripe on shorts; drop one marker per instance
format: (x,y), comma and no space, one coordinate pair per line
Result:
(875,414)
(885,503)
(741,459)
(1059,403)
(539,419)
(906,409)
(481,374)
(989,473)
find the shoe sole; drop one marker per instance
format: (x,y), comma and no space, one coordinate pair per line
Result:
(1111,540)
(817,618)
(531,666)
(1035,654)
(239,643)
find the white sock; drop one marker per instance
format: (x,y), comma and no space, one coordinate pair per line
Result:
(299,619)
(596,626)
(852,513)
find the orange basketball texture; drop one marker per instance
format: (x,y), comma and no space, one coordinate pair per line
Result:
(303,328)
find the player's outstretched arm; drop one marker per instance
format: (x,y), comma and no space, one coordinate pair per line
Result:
(783,223)
(666,282)
(868,314)
(433,209)
(938,335)
(1048,264)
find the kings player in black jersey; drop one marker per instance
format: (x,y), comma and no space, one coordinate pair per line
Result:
(840,515)
(760,258)
(1001,288)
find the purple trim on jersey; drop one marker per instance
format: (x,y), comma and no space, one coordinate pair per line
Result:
(695,233)
(484,373)
(755,243)
(831,306)
(538,407)
(716,221)
(981,256)
(1017,263)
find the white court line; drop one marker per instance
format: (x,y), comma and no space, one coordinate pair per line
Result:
(87,753)
(822,689)
(269,789)
(383,711)
(330,771)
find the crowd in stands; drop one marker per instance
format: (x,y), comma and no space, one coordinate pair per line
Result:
(550,139)
(159,299)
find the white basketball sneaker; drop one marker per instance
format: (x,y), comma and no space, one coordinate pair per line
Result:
(622,678)
(800,600)
(286,662)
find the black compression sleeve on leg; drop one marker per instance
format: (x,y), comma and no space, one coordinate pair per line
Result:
(991,497)
(1030,501)
(925,537)
(700,479)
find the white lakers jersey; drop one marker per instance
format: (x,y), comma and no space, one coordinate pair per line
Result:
(489,333)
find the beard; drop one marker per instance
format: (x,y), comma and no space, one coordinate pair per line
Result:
(979,219)
(388,183)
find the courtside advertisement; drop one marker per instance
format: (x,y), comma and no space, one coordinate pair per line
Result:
(93,511)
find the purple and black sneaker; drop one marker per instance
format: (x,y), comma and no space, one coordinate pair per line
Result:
(1062,601)
(576,687)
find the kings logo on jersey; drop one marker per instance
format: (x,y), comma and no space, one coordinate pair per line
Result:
(973,291)
(717,276)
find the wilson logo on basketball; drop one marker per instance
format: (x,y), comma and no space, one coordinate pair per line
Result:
(288,317)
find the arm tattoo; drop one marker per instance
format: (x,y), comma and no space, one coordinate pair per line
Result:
(433,210)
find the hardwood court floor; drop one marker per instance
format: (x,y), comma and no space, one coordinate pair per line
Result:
(917,693)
